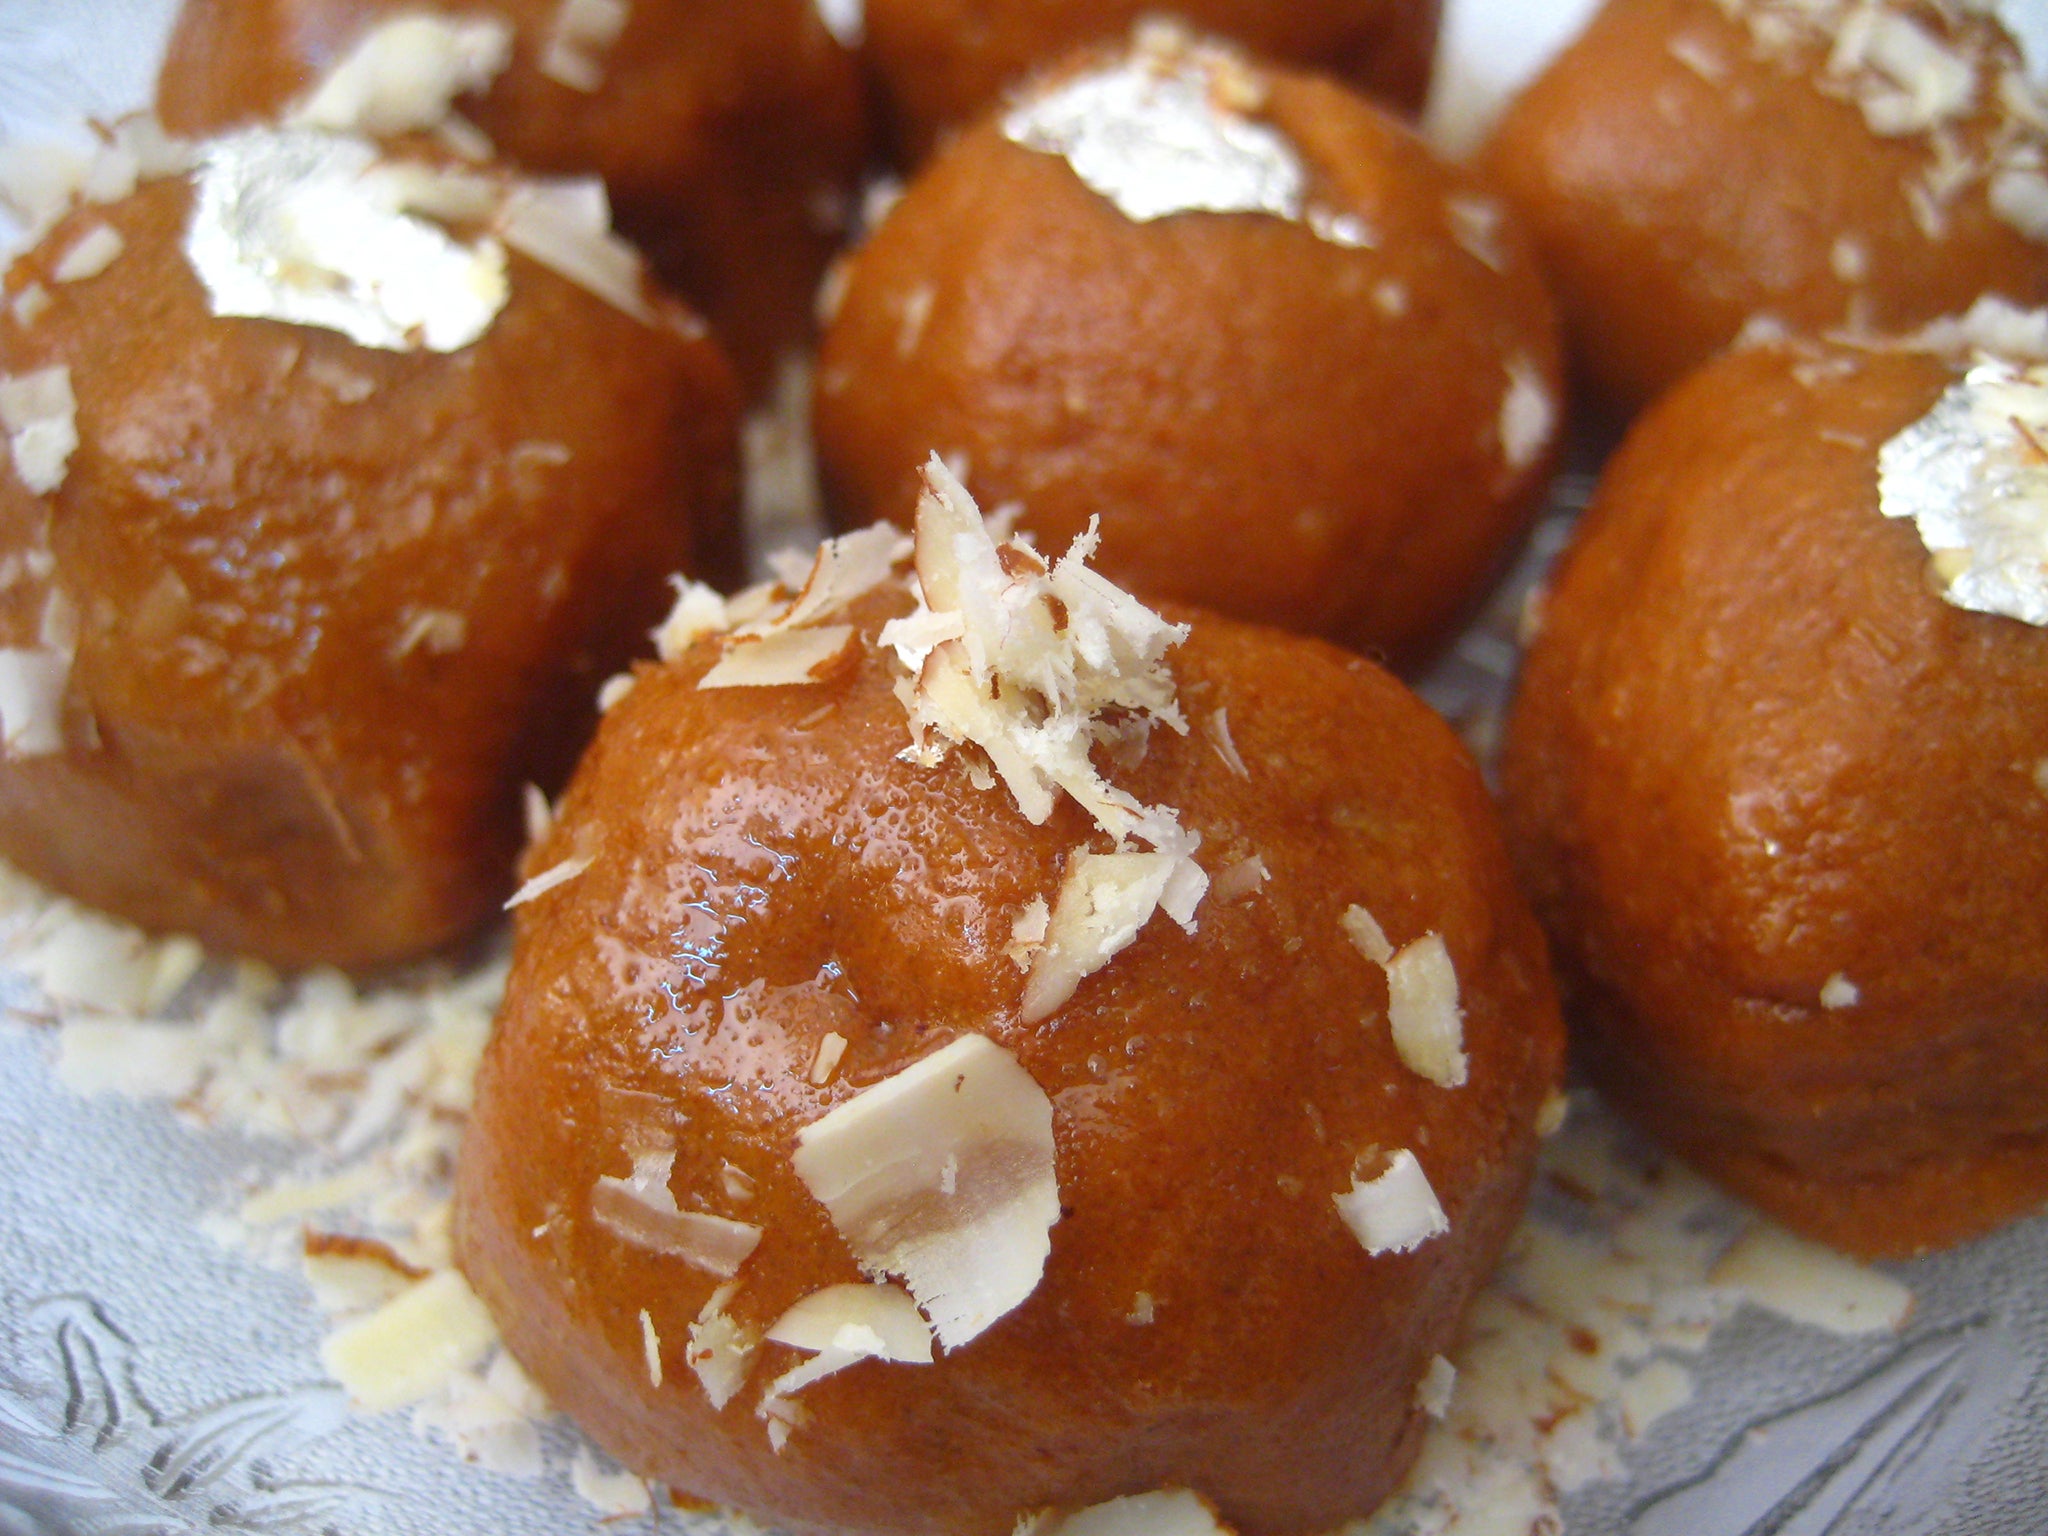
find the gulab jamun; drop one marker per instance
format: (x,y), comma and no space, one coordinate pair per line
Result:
(983,1047)
(320,521)
(1690,169)
(1777,776)
(1304,372)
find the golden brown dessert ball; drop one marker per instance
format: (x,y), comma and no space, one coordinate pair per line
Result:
(326,607)
(1782,809)
(1336,423)
(732,137)
(1689,168)
(942,63)
(762,870)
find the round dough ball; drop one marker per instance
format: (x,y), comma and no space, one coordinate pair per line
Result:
(1690,168)
(731,137)
(1782,809)
(767,871)
(299,617)
(943,62)
(1336,423)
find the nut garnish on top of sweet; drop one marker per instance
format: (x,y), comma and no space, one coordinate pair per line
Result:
(1057,1203)
(1696,170)
(1165,269)
(303,579)
(731,139)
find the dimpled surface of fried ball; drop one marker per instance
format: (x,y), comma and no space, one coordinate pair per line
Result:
(1268,423)
(731,137)
(1684,180)
(765,868)
(335,605)
(943,62)
(1781,808)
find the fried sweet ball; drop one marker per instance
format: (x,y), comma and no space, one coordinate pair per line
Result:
(781,930)
(943,63)
(1690,168)
(1305,373)
(731,137)
(1782,807)
(289,620)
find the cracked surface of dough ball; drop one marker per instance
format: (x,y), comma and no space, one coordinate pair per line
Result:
(322,608)
(1692,167)
(1331,409)
(767,873)
(1782,809)
(944,62)
(731,137)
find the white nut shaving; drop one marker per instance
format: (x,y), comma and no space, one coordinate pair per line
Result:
(1809,1284)
(650,1346)
(578,38)
(1168,128)
(1366,935)
(566,226)
(772,644)
(408,1347)
(1423,1011)
(830,1051)
(287,225)
(640,1209)
(1168,1512)
(842,1325)
(90,255)
(1972,475)
(40,416)
(879,1162)
(1030,664)
(403,75)
(721,1348)
(1433,1392)
(1395,1212)
(1102,903)
(1528,415)
(547,880)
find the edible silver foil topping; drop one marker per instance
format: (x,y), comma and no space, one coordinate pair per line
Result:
(1161,132)
(1972,474)
(295,225)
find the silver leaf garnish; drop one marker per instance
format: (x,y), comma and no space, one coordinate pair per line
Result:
(1972,474)
(1167,129)
(293,225)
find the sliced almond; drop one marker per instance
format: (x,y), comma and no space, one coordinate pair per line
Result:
(1422,1009)
(968,1115)
(640,1210)
(1395,1212)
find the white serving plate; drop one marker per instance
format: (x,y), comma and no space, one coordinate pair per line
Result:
(154,1379)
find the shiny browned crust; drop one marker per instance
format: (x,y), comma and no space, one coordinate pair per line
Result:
(247,759)
(1753,750)
(763,856)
